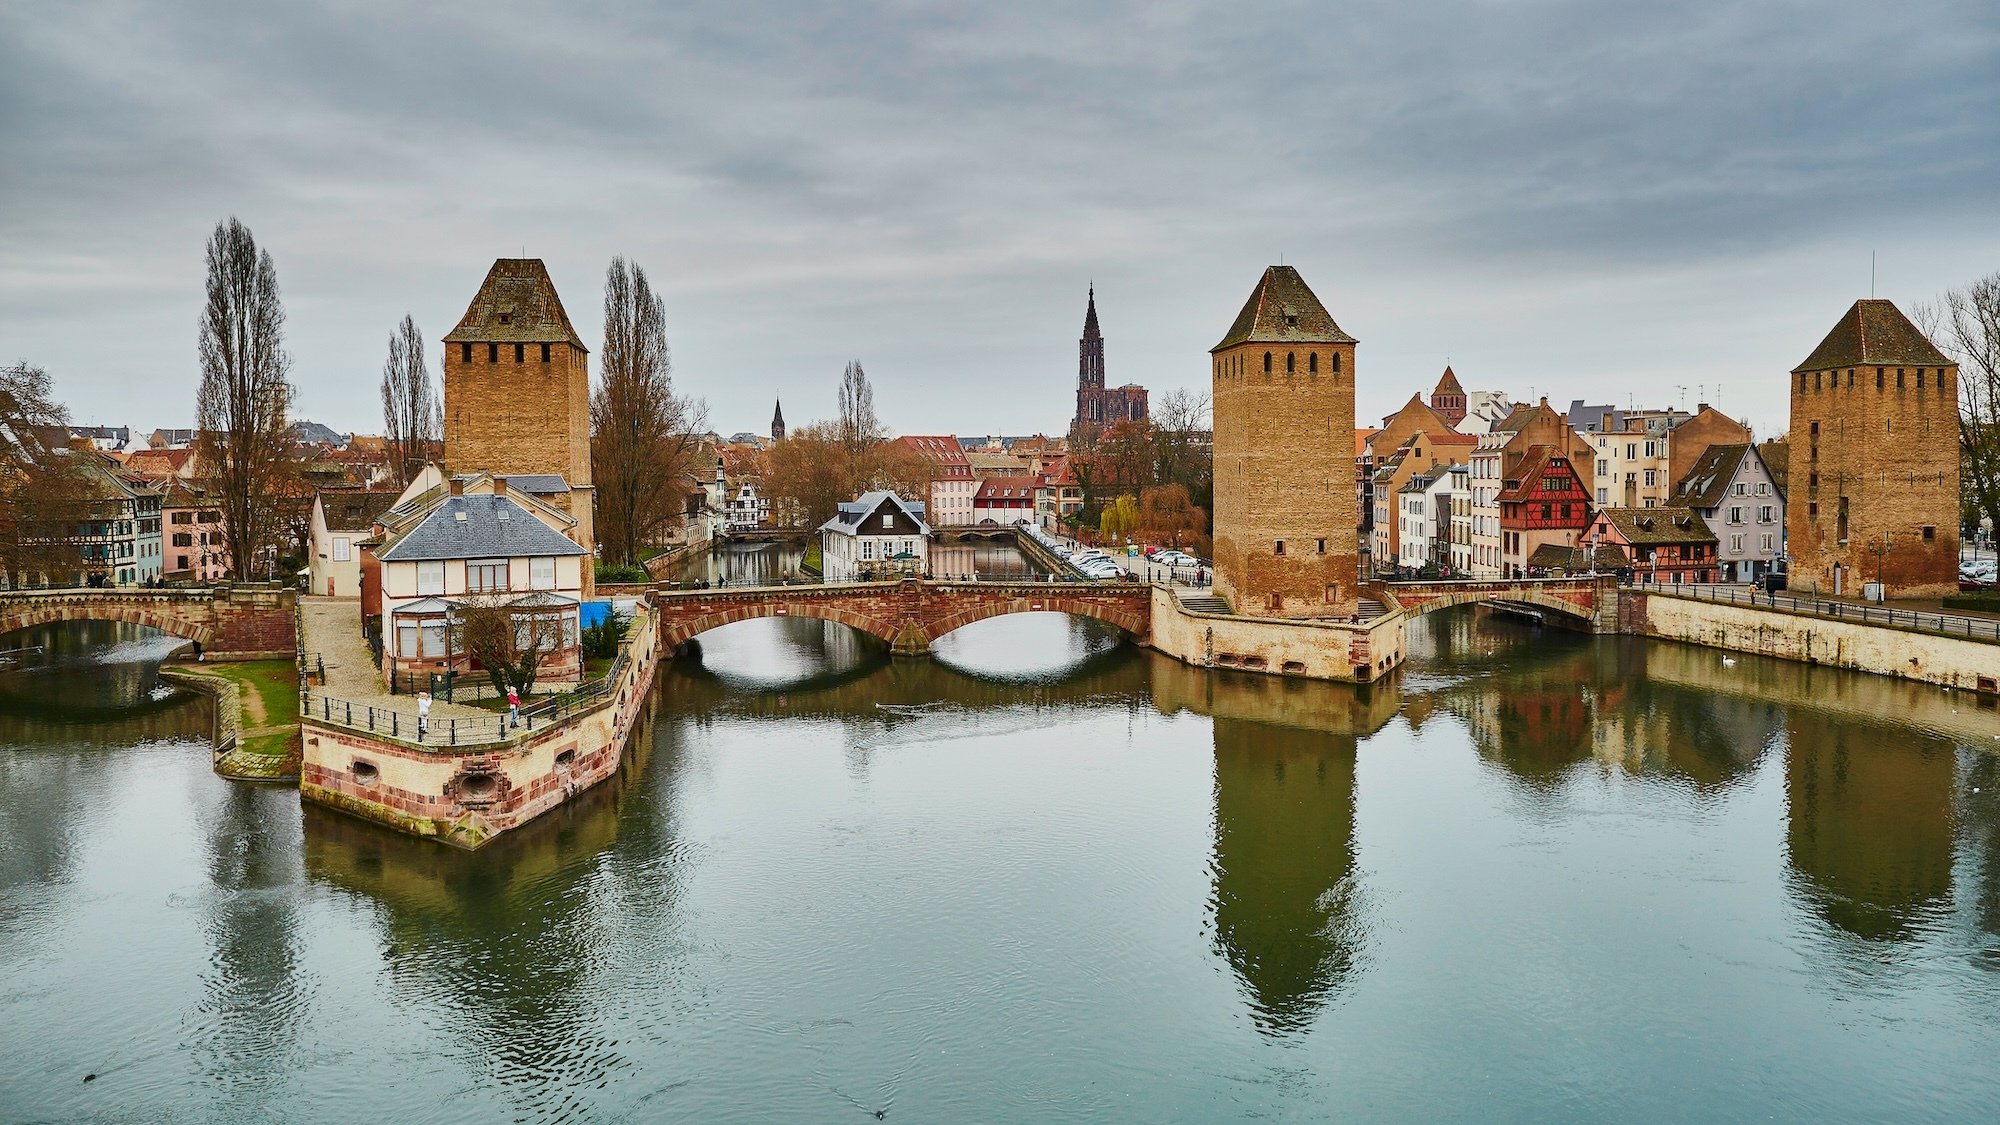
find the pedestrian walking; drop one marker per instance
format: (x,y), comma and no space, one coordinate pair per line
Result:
(513,706)
(423,714)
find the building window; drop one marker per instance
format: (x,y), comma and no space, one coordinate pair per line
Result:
(486,577)
(1899,378)
(1322,546)
(1767,541)
(1312,363)
(465,353)
(1930,534)
(341,552)
(542,574)
(545,353)
(430,578)
(1278,548)
(1267,363)
(1878,378)
(867,550)
(493,353)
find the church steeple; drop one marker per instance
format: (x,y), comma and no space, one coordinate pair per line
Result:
(1090,349)
(777,420)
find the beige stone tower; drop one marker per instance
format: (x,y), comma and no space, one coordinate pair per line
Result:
(517,388)
(1285,538)
(1874,468)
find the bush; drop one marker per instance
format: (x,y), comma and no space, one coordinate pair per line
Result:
(601,641)
(1987,601)
(622,574)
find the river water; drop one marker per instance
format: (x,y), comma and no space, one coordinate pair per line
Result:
(1042,877)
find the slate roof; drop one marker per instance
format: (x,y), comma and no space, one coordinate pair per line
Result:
(1283,310)
(852,512)
(536,484)
(1777,457)
(1872,332)
(516,304)
(482,534)
(353,509)
(1555,556)
(1707,481)
(1649,527)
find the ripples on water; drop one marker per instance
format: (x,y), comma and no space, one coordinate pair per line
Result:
(1045,876)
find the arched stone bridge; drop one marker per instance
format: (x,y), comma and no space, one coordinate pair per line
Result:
(222,618)
(907,614)
(1587,603)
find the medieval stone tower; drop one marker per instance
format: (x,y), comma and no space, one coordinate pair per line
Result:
(1874,467)
(517,388)
(1449,398)
(1285,541)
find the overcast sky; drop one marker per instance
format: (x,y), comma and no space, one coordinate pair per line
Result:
(1662,201)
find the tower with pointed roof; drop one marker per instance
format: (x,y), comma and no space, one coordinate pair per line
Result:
(1874,476)
(517,387)
(1449,398)
(1099,406)
(1285,506)
(777,420)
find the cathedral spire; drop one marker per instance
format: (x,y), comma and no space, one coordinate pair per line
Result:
(777,420)
(1090,331)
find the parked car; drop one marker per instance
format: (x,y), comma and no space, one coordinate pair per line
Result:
(1175,558)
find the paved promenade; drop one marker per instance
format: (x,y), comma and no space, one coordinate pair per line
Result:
(333,634)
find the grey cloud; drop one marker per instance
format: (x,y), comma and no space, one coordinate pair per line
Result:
(1547,192)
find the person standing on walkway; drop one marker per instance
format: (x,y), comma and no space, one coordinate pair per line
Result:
(423,714)
(513,706)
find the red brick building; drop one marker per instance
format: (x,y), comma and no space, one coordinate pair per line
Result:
(1542,501)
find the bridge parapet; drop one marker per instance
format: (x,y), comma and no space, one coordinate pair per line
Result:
(907,614)
(1590,601)
(238,618)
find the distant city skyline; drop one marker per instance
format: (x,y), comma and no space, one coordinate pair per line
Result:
(1557,199)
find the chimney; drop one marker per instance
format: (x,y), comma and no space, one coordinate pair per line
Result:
(1700,406)
(457,487)
(500,486)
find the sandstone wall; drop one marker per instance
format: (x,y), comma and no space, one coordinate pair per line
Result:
(1320,650)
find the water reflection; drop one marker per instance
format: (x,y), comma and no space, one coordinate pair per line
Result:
(84,671)
(744,564)
(1870,830)
(1286,916)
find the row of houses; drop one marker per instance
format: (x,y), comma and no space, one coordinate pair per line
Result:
(1531,494)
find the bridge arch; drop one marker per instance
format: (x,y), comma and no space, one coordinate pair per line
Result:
(982,609)
(162,618)
(677,631)
(1420,600)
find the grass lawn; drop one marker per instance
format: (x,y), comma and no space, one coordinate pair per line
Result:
(268,692)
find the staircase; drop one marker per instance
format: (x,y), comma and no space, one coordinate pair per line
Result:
(1204,603)
(1369,609)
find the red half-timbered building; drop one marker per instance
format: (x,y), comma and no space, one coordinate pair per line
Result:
(1542,501)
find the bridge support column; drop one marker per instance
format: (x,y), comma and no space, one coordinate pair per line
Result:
(911,640)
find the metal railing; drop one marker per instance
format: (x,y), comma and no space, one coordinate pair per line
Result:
(1923,621)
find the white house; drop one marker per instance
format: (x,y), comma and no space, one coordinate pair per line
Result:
(1458,506)
(748,508)
(341,519)
(451,547)
(879,535)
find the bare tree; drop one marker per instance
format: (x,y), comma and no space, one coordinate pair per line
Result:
(807,476)
(412,407)
(510,642)
(644,438)
(858,427)
(241,429)
(44,494)
(1965,325)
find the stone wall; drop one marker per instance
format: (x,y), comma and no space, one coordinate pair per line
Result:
(1883,650)
(1284,473)
(1892,453)
(466,795)
(248,621)
(1319,650)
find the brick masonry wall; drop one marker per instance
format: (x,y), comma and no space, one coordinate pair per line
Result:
(908,614)
(504,416)
(224,620)
(1893,453)
(1284,470)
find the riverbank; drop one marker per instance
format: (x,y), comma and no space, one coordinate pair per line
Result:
(256,706)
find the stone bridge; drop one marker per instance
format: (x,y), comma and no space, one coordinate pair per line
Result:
(225,619)
(1585,603)
(908,614)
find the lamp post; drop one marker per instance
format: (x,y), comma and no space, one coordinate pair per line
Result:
(1881,550)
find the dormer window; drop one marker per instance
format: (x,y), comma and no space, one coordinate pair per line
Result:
(506,318)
